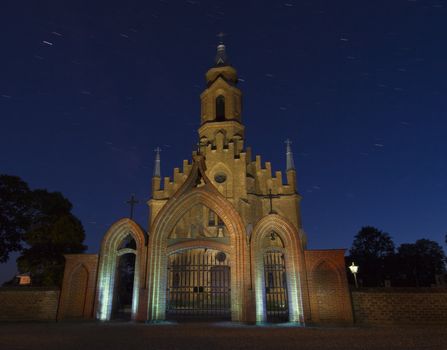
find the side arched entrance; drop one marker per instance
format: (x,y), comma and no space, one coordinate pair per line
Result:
(121,272)
(278,271)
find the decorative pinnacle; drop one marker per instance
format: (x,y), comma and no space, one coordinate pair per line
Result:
(290,165)
(157,171)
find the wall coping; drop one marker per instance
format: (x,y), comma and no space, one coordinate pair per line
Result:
(28,289)
(396,290)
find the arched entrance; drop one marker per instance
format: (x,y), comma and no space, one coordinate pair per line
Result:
(120,276)
(277,265)
(164,224)
(198,285)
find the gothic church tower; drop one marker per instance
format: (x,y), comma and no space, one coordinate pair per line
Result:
(248,184)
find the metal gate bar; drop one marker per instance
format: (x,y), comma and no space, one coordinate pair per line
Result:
(198,284)
(276,287)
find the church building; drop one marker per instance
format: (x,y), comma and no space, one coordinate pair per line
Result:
(225,239)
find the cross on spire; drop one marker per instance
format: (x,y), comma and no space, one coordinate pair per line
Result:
(221,35)
(132,201)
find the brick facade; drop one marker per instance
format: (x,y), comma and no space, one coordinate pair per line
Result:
(400,306)
(28,304)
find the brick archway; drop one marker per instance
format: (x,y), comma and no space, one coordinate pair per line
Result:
(165,221)
(295,266)
(108,261)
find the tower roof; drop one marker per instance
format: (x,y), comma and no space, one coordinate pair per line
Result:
(222,67)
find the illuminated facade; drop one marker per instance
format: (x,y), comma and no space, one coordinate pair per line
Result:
(225,238)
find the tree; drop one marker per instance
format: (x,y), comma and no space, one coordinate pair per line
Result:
(54,231)
(41,226)
(15,214)
(372,250)
(419,262)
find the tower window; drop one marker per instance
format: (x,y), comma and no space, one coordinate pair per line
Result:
(220,108)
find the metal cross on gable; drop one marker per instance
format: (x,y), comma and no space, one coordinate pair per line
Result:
(132,201)
(270,196)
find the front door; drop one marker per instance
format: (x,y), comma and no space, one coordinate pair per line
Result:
(198,285)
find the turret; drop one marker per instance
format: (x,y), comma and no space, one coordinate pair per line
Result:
(156,179)
(290,165)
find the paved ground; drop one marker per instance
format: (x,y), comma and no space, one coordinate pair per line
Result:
(111,336)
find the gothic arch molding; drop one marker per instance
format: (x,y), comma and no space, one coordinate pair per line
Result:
(294,258)
(331,264)
(107,265)
(165,221)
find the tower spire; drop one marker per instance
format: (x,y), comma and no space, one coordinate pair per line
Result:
(157,171)
(290,165)
(221,58)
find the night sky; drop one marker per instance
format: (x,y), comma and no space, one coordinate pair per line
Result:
(88,89)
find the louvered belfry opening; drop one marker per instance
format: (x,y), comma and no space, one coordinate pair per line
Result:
(198,285)
(276,287)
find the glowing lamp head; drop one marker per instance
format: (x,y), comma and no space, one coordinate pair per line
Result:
(354,268)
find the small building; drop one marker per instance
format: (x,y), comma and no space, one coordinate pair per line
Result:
(24,279)
(225,239)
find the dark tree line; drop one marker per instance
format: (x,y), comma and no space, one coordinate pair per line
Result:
(410,264)
(40,226)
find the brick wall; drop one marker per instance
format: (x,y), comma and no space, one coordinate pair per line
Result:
(400,306)
(28,304)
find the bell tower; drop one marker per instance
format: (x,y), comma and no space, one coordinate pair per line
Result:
(221,103)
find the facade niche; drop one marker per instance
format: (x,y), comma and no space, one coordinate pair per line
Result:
(77,293)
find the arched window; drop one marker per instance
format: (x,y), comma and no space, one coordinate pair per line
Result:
(220,108)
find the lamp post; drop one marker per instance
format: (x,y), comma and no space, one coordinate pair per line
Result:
(354,269)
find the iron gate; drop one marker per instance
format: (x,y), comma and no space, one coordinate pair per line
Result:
(198,284)
(276,287)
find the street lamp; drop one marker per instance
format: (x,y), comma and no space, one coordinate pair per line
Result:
(354,269)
